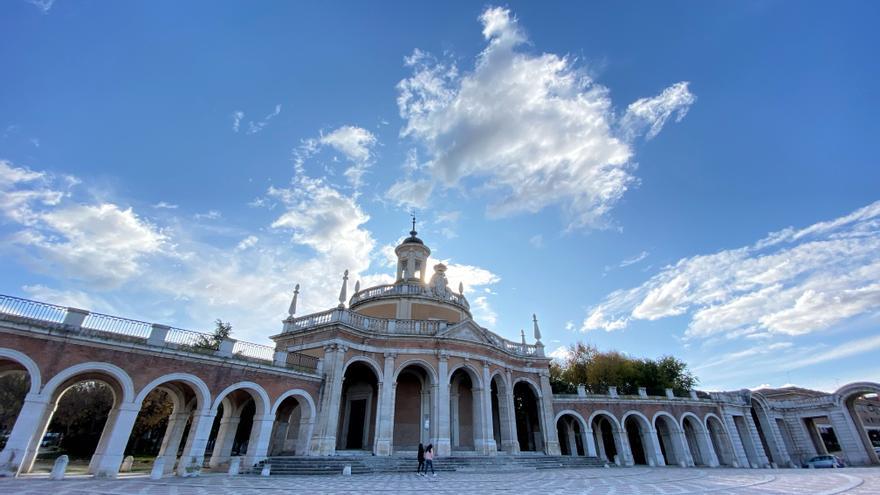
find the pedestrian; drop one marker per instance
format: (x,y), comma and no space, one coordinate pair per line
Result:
(429,459)
(421,459)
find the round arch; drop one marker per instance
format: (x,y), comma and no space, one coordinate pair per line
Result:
(577,415)
(475,376)
(299,394)
(844,392)
(261,398)
(531,383)
(693,416)
(667,415)
(125,382)
(32,369)
(369,361)
(644,419)
(845,398)
(708,416)
(202,393)
(421,363)
(607,414)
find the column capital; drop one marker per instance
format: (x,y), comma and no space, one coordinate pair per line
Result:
(390,355)
(485,364)
(443,355)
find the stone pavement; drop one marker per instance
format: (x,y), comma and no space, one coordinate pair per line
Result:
(630,481)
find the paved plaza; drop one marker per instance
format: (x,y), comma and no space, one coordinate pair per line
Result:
(588,481)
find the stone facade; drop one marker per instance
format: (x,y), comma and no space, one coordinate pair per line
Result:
(388,368)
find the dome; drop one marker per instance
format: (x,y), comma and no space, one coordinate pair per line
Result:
(412,239)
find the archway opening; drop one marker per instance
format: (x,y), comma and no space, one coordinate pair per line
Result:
(720,441)
(864,409)
(15,382)
(412,408)
(234,428)
(570,435)
(606,437)
(635,432)
(358,408)
(77,423)
(290,432)
(462,403)
(742,429)
(694,436)
(528,420)
(667,436)
(759,417)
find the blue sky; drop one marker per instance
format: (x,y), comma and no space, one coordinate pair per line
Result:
(687,178)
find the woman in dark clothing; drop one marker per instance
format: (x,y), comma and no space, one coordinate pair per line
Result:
(421,459)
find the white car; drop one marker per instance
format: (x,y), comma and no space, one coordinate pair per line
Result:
(824,461)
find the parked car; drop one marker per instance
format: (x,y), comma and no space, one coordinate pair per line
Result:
(824,461)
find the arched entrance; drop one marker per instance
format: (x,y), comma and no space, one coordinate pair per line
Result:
(571,434)
(528,419)
(413,399)
(641,441)
(293,426)
(861,400)
(16,382)
(606,433)
(775,452)
(669,437)
(357,411)
(465,410)
(241,426)
(698,442)
(503,421)
(720,441)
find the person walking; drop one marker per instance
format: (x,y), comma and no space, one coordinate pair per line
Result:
(421,459)
(429,459)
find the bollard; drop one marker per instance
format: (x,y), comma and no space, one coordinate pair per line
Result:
(158,468)
(606,466)
(682,464)
(234,466)
(346,471)
(617,460)
(59,468)
(651,463)
(127,463)
(267,469)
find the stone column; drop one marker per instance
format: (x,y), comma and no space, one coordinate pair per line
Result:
(491,448)
(551,442)
(572,440)
(109,462)
(26,434)
(385,410)
(196,440)
(171,440)
(849,437)
(707,448)
(589,442)
(625,454)
(225,437)
(651,445)
(324,439)
(683,447)
(258,442)
(509,421)
(739,451)
(756,441)
(443,446)
(454,422)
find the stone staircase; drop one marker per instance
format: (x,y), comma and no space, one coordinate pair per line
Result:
(365,464)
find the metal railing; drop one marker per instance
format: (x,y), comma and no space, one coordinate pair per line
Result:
(116,325)
(190,339)
(253,351)
(407,289)
(26,308)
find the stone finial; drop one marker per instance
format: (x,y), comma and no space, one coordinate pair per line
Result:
(292,309)
(537,330)
(357,286)
(460,288)
(523,334)
(344,290)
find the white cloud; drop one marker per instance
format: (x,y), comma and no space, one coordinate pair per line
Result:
(163,205)
(236,120)
(69,298)
(410,193)
(43,5)
(448,216)
(208,215)
(483,312)
(633,260)
(247,243)
(353,142)
(791,282)
(253,127)
(537,241)
(534,128)
(561,353)
(652,113)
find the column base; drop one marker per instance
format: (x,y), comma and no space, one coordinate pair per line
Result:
(552,448)
(190,466)
(510,447)
(323,446)
(383,447)
(443,448)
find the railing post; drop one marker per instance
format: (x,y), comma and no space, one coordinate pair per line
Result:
(75,317)
(643,392)
(157,334)
(693,394)
(288,324)
(670,394)
(612,391)
(280,358)
(392,326)
(226,346)
(539,350)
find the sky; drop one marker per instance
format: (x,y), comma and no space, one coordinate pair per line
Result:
(696,179)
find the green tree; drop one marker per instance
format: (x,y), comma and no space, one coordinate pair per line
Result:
(210,343)
(13,388)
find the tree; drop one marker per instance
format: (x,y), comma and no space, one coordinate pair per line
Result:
(210,343)
(597,370)
(13,388)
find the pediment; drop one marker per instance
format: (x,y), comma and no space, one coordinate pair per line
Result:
(467,330)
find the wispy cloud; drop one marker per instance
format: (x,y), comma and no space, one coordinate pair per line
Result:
(44,5)
(533,130)
(253,127)
(633,260)
(791,282)
(208,215)
(163,205)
